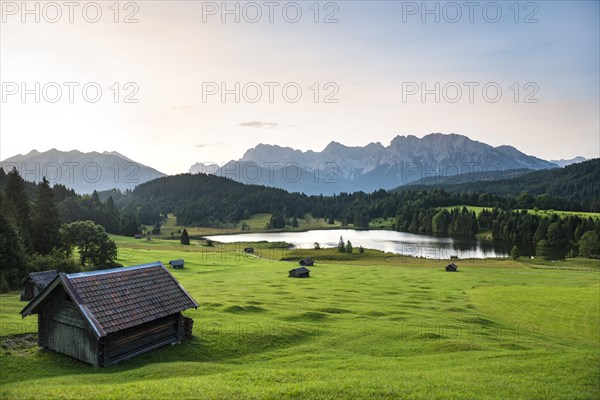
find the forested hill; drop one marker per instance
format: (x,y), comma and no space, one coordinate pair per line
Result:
(576,182)
(200,199)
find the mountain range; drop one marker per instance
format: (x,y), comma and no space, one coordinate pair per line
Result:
(563,163)
(83,172)
(339,168)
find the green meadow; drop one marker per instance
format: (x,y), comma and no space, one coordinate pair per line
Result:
(543,213)
(256,223)
(476,209)
(369,325)
(562,214)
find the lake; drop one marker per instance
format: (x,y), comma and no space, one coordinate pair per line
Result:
(434,247)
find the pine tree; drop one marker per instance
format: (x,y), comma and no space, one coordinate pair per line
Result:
(17,204)
(113,219)
(543,250)
(45,220)
(341,245)
(515,253)
(2,177)
(349,247)
(12,253)
(185,238)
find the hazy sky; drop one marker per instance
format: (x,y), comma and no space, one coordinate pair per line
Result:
(367,71)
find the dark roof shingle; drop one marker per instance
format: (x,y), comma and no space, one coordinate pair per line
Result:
(41,279)
(300,270)
(115,299)
(121,298)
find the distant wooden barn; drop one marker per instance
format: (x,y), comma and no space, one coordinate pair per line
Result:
(248,249)
(104,317)
(307,262)
(300,272)
(35,282)
(177,264)
(451,267)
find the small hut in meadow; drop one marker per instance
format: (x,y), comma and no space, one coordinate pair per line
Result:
(307,262)
(451,267)
(104,317)
(177,264)
(248,249)
(35,282)
(300,272)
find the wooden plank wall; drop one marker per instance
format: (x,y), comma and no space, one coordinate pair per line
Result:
(64,330)
(140,339)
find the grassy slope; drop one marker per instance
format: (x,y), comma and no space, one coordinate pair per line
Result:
(562,214)
(544,213)
(380,326)
(477,209)
(256,223)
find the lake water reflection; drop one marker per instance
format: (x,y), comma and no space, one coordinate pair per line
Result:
(434,247)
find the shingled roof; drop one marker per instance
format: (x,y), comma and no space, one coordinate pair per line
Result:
(120,298)
(41,279)
(300,270)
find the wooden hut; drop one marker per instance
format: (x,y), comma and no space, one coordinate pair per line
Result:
(300,272)
(104,317)
(35,282)
(451,267)
(307,262)
(177,264)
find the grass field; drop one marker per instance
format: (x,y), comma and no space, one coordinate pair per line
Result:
(544,213)
(562,214)
(256,223)
(374,326)
(477,209)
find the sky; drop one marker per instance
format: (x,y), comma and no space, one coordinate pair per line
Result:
(169,84)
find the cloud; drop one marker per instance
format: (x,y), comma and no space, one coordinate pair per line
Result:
(259,124)
(185,107)
(203,145)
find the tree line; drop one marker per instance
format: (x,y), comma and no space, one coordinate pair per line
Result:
(33,237)
(575,187)
(41,226)
(208,200)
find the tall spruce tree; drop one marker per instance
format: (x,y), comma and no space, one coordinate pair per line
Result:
(185,238)
(17,205)
(341,246)
(45,220)
(13,262)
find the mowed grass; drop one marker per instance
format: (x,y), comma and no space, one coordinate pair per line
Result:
(377,326)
